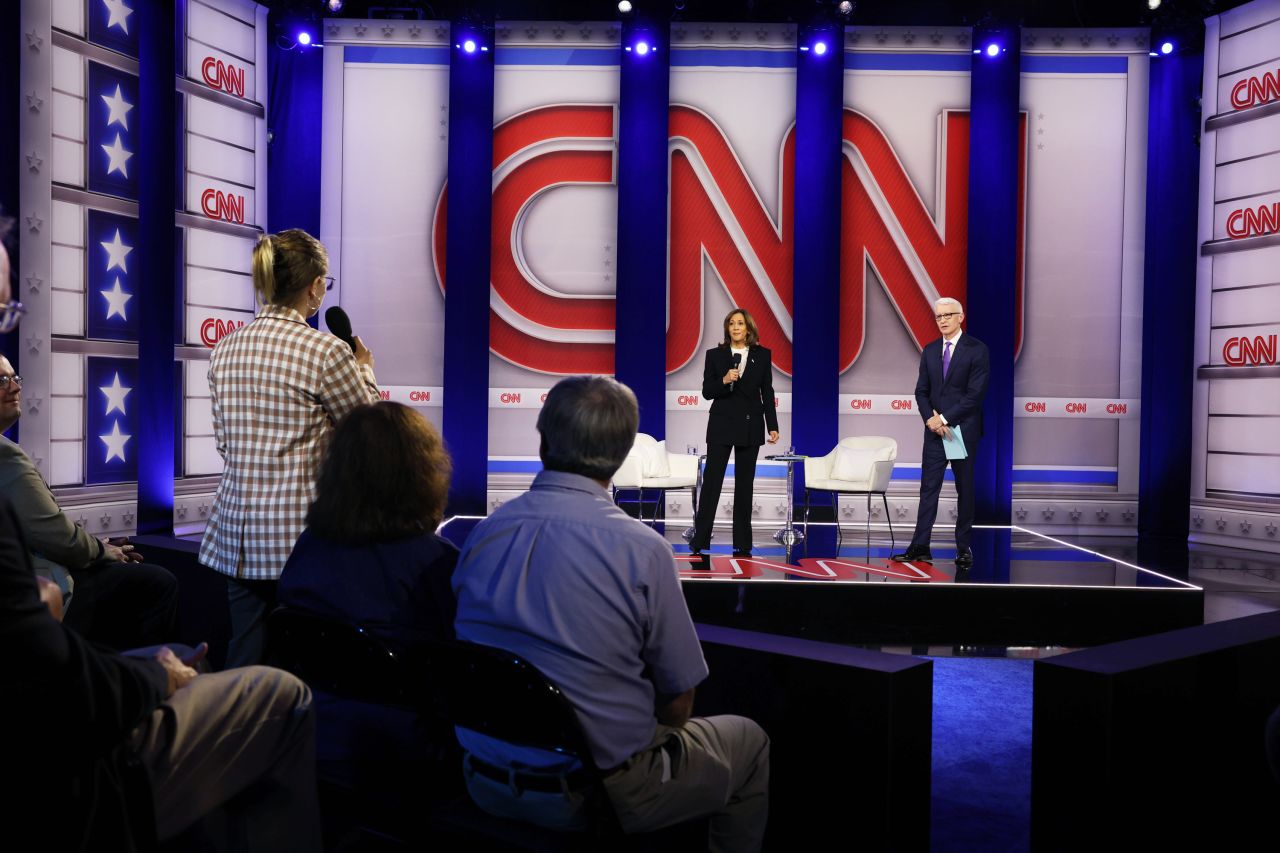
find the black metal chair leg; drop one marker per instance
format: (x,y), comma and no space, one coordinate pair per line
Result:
(888,518)
(868,527)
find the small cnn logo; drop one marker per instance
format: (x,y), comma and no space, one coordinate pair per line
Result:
(213,330)
(687,400)
(419,396)
(216,204)
(1256,350)
(223,76)
(1252,221)
(1259,89)
(509,397)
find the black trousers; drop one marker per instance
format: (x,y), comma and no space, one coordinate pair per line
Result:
(744,477)
(249,603)
(933,467)
(124,605)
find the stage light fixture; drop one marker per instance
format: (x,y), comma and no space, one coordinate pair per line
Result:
(625,7)
(469,45)
(845,8)
(820,48)
(1153,4)
(304,38)
(1166,47)
(334,6)
(993,49)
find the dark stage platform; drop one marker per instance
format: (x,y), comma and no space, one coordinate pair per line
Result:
(1024,589)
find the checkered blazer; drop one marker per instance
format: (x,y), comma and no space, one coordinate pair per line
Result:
(278,387)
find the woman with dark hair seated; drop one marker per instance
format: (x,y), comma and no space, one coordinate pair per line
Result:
(370,557)
(369,554)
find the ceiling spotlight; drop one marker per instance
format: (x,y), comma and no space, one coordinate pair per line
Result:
(993,49)
(469,45)
(625,7)
(334,5)
(1153,4)
(642,47)
(1166,48)
(820,48)
(304,38)
(846,8)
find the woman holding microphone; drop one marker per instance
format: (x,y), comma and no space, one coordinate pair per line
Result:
(278,388)
(738,378)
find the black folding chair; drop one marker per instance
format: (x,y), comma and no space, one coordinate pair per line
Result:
(501,695)
(380,798)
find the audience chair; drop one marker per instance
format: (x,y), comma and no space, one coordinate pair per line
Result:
(499,694)
(650,467)
(860,465)
(377,802)
(342,659)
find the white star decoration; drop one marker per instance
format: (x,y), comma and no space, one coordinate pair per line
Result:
(114,441)
(116,299)
(115,395)
(117,14)
(117,157)
(116,253)
(118,108)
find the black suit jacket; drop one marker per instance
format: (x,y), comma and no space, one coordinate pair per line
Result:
(958,398)
(740,415)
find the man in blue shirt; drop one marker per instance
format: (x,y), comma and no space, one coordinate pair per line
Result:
(591,597)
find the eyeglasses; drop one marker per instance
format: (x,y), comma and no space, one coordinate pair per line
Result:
(10,314)
(6,380)
(329,282)
(941,317)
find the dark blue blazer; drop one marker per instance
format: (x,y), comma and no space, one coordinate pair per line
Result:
(958,398)
(742,414)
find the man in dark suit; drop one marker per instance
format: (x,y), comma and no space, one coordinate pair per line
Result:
(953,381)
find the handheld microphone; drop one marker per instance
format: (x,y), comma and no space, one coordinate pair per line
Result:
(737,362)
(340,325)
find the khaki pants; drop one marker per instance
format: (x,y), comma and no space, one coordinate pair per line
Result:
(236,749)
(717,766)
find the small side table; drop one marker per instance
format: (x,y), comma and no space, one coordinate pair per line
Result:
(789,536)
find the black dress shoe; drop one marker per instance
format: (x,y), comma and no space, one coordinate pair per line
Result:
(701,562)
(742,555)
(964,559)
(912,555)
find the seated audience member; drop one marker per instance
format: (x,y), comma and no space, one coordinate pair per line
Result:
(80,725)
(591,597)
(114,598)
(370,556)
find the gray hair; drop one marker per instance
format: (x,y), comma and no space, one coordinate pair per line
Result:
(588,424)
(947,300)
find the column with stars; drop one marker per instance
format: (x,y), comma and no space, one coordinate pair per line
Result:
(112,270)
(110,449)
(112,121)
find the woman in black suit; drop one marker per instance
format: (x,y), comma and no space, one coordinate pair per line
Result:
(743,408)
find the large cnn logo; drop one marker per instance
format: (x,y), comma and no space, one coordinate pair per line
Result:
(717,215)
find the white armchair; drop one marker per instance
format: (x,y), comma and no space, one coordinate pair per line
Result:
(649,466)
(860,465)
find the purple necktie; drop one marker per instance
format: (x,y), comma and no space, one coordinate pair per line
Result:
(946,359)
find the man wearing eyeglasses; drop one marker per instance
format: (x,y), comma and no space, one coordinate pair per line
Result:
(115,598)
(953,382)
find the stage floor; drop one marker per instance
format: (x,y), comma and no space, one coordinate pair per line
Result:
(1025,589)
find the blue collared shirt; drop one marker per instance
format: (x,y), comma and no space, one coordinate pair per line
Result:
(591,597)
